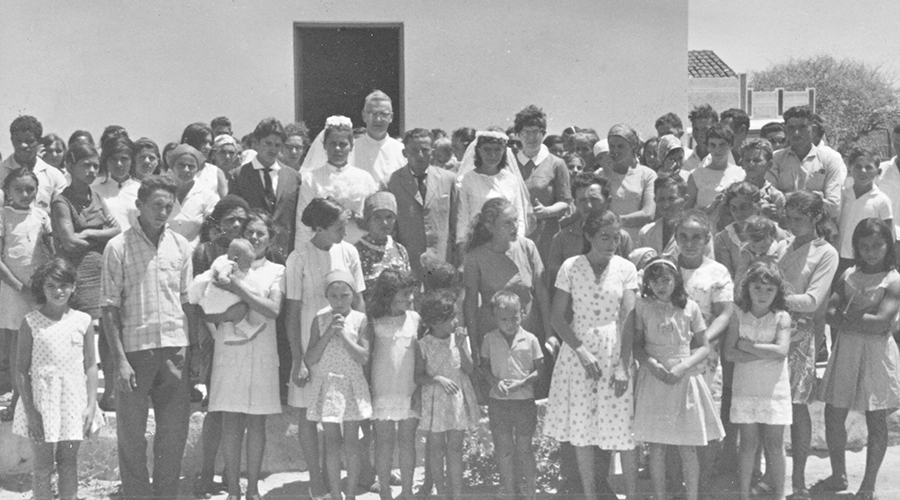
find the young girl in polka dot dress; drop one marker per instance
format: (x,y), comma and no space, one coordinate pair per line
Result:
(55,365)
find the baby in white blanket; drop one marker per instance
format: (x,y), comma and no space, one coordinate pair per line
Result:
(215,300)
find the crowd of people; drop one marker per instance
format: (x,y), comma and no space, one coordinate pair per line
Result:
(383,287)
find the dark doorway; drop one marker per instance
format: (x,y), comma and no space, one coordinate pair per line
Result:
(336,66)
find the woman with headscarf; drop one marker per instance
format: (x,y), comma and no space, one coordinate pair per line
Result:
(486,173)
(194,202)
(630,183)
(670,154)
(226,154)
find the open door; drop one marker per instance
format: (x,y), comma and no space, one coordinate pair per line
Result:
(337,65)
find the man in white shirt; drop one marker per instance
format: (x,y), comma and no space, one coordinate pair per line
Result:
(374,152)
(25,132)
(803,165)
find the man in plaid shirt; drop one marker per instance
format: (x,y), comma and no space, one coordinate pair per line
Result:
(146,273)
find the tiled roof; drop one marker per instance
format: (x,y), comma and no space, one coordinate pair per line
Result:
(706,64)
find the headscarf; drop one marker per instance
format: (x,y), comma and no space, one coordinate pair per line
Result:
(340,276)
(626,132)
(182,150)
(667,144)
(224,140)
(382,200)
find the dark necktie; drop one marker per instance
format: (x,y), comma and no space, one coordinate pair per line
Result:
(421,180)
(270,192)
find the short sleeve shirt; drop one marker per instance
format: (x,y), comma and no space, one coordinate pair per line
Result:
(512,361)
(708,284)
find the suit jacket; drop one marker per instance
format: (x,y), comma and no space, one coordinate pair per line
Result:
(248,185)
(430,224)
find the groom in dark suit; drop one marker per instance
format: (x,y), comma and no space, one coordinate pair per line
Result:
(267,185)
(426,203)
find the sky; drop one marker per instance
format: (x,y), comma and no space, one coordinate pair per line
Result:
(751,35)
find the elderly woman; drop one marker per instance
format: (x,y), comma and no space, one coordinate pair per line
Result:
(546,177)
(199,136)
(487,172)
(194,201)
(630,183)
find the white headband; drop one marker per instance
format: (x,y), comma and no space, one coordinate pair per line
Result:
(492,135)
(338,121)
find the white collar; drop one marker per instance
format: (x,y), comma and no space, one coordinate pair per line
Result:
(541,155)
(259,166)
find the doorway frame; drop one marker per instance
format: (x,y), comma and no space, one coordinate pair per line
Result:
(298,51)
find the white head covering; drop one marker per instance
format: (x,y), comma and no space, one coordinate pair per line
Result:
(468,165)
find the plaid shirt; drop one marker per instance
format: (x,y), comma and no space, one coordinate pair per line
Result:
(148,284)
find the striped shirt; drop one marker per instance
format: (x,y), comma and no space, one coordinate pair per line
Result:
(148,284)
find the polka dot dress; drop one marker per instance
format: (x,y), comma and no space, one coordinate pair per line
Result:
(580,410)
(57,375)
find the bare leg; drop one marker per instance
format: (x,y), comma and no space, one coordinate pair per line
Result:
(210,435)
(801,436)
(749,445)
(658,469)
(876,446)
(333,444)
(13,337)
(351,452)
(233,425)
(67,469)
(630,471)
(585,456)
(836,440)
(438,442)
(42,467)
(454,461)
(406,441)
(309,446)
(691,467)
(256,449)
(773,440)
(385,433)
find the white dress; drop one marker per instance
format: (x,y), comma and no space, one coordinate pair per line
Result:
(305,271)
(58,382)
(708,284)
(583,411)
(245,376)
(761,390)
(394,366)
